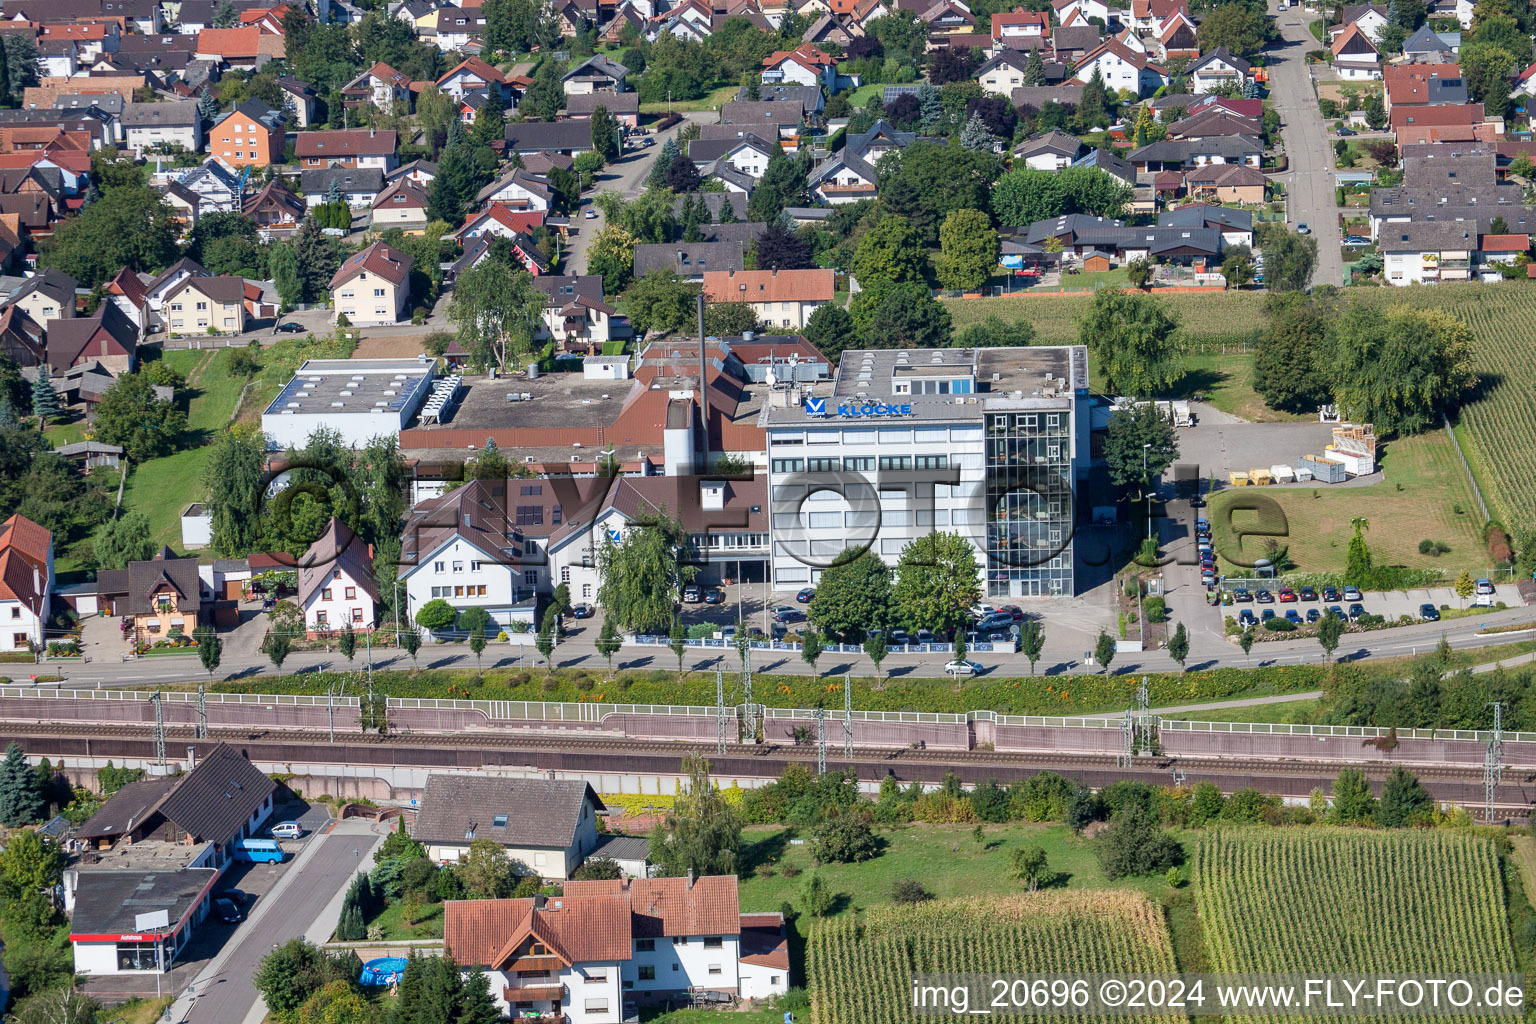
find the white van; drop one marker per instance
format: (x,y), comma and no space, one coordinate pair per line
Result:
(287,830)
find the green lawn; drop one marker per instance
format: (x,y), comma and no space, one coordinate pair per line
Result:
(67,432)
(1291,711)
(945,858)
(429,922)
(1424,486)
(709,101)
(860,96)
(1225,379)
(215,393)
(163,488)
(659,1015)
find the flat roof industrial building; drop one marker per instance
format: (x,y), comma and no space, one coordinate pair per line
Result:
(360,398)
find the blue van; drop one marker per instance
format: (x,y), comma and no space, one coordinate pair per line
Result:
(262,851)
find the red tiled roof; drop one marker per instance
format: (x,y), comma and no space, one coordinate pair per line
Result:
(351,142)
(576,929)
(477,67)
(1409,83)
(127,284)
(1450,114)
(230,42)
(676,906)
(1506,243)
(24,547)
(378,258)
(769,285)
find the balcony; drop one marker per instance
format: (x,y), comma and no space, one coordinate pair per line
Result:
(529,991)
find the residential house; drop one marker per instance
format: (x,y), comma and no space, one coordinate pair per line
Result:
(624,106)
(128,292)
(47,295)
(459,28)
(275,209)
(595,74)
(1236,226)
(1003,73)
(1178,38)
(1121,68)
(519,190)
(783,118)
(251,135)
(843,178)
(473,75)
(575,315)
(1037,96)
(804,65)
(1070,43)
(241,49)
(357,148)
(160,286)
(1425,47)
(26,584)
(1226,183)
(1368,18)
(108,337)
(527,253)
(372,286)
(812,102)
(218,190)
(161,597)
(1049,151)
(1423,85)
(1214,122)
(336,585)
(571,138)
(1176,154)
(359,188)
(22,339)
(1355,57)
(779,298)
(590,955)
(1425,252)
(159,126)
(1464,122)
(1104,160)
(499,220)
(1502,248)
(690,260)
(547,827)
(417,172)
(747,153)
(381,87)
(400,205)
(1218,69)
(1010,28)
(1084,10)
(206,305)
(299,99)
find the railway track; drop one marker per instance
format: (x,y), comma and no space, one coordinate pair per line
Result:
(903,762)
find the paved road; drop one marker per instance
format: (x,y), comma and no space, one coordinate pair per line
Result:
(1309,181)
(223,994)
(626,177)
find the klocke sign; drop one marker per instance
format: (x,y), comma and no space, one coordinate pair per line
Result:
(855,410)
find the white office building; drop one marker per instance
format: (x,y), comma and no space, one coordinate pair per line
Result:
(988,443)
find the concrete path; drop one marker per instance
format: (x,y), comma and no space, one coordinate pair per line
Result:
(1309,180)
(1247,702)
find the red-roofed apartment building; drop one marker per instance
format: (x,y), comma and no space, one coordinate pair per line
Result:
(26,583)
(603,947)
(780,298)
(373,286)
(1460,122)
(1010,28)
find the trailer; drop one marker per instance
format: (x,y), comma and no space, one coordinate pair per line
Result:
(1238,479)
(1324,470)
(1260,476)
(1282,473)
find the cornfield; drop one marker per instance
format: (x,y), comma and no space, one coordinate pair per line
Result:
(1497,426)
(1338,901)
(861,972)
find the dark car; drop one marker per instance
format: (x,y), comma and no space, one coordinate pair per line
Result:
(788,613)
(290,328)
(1267,614)
(238,897)
(1429,613)
(1336,611)
(1355,611)
(227,912)
(806,595)
(1308,594)
(994,622)
(1247,618)
(897,638)
(925,636)
(714,595)
(1313,615)
(581,611)
(1292,615)
(1264,597)
(1241,596)
(1330,593)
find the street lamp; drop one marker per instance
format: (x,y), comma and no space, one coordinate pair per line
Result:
(1147,483)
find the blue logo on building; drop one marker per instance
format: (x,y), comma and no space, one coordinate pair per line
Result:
(815,406)
(615,534)
(856,410)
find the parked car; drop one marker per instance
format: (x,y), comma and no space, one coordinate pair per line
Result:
(1429,613)
(1352,593)
(981,611)
(961,668)
(1267,614)
(287,830)
(1308,594)
(1208,577)
(806,595)
(788,613)
(1247,618)
(1355,611)
(1013,610)
(1287,595)
(591,214)
(1330,593)
(714,595)
(1292,615)
(925,636)
(1264,597)
(897,638)
(226,911)
(238,897)
(290,328)
(1302,229)
(581,611)
(994,622)
(1241,596)
(1483,586)
(1313,615)
(692,594)
(1335,610)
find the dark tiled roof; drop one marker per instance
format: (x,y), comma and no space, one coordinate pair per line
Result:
(336,548)
(209,803)
(540,812)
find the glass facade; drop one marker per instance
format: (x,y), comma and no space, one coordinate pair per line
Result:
(1029,503)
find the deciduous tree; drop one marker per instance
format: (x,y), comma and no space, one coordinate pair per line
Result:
(853,597)
(1139,444)
(1399,369)
(701,834)
(937,582)
(1131,337)
(968,250)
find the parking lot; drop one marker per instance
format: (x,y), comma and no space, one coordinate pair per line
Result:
(1391,604)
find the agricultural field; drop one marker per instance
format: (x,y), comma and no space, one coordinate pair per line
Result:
(1211,318)
(862,971)
(1344,901)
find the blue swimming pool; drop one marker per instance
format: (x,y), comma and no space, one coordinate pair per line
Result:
(383,971)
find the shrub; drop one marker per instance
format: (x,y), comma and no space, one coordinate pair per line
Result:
(909,890)
(1156,609)
(1133,844)
(1426,547)
(1498,546)
(1279,625)
(846,839)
